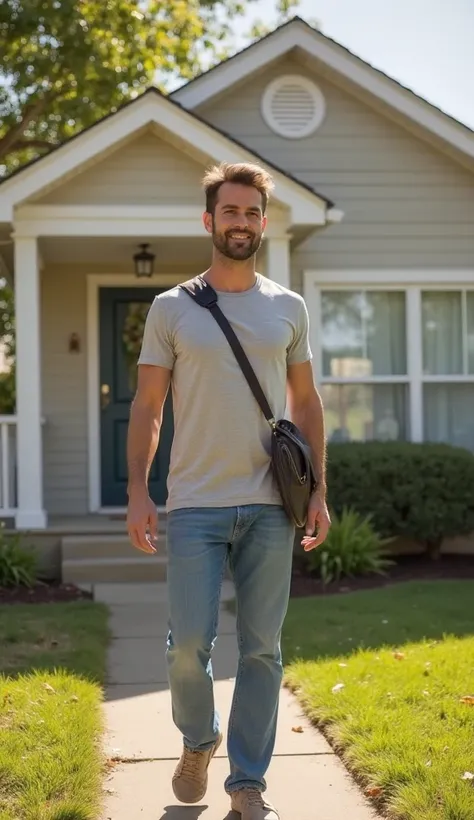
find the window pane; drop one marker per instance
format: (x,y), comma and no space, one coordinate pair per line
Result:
(449,414)
(364,412)
(363,333)
(442,333)
(470,330)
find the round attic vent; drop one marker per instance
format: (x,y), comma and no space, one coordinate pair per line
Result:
(293,106)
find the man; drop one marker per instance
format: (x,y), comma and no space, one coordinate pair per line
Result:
(222,501)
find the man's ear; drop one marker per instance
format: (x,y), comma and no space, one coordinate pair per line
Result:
(207,219)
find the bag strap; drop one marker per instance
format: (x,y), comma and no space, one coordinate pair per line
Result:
(204,294)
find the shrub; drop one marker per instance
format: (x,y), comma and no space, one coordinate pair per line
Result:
(352,547)
(18,566)
(420,491)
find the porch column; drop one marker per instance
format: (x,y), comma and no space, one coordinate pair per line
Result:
(278,260)
(30,512)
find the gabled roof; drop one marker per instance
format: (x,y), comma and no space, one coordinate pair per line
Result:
(298,34)
(153,107)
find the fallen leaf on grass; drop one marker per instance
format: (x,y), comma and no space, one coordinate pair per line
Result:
(298,729)
(74,699)
(467,699)
(49,689)
(428,763)
(468,776)
(337,687)
(374,791)
(399,656)
(343,665)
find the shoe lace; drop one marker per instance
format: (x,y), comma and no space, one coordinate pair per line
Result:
(254,797)
(191,764)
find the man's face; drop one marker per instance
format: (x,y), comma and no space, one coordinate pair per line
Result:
(238,222)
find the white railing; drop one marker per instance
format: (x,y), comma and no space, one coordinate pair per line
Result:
(8,479)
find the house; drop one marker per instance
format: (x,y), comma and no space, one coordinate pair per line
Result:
(372,220)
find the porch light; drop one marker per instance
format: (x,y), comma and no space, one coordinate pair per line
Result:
(144,262)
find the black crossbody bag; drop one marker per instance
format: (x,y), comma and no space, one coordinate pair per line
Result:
(291,455)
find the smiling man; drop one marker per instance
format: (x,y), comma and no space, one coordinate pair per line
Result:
(223,504)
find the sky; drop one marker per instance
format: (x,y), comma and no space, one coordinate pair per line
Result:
(427,45)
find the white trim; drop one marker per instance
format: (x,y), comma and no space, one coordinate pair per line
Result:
(277,261)
(30,511)
(299,35)
(123,220)
(150,109)
(273,122)
(94,283)
(384,277)
(414,362)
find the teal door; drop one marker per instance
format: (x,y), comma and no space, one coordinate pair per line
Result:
(122,316)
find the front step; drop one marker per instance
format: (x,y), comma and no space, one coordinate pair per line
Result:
(95,558)
(139,568)
(101,546)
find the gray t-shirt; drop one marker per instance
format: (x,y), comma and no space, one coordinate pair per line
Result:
(220,455)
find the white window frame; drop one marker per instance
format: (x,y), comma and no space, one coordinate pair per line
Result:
(413,283)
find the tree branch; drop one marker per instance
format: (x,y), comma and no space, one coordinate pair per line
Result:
(14,137)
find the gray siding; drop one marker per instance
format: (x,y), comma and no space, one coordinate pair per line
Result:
(405,204)
(64,380)
(147,171)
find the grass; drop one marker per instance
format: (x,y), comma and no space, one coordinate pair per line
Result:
(52,665)
(401,658)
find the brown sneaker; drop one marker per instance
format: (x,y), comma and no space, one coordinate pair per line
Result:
(251,804)
(190,777)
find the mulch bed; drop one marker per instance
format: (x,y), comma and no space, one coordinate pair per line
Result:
(46,593)
(407,568)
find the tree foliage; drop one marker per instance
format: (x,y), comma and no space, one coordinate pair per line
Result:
(66,63)
(7,341)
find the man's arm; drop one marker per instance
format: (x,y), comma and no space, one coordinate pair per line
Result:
(306,411)
(142,442)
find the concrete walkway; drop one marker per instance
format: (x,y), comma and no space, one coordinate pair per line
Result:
(306,780)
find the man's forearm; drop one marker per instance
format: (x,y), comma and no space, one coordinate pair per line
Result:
(309,418)
(142,443)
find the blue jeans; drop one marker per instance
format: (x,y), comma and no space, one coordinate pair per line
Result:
(258,542)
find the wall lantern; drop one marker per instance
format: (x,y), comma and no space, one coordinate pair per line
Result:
(144,261)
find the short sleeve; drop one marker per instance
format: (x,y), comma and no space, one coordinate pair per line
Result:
(157,346)
(299,350)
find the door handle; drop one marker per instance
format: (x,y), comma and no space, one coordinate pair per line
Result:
(104,395)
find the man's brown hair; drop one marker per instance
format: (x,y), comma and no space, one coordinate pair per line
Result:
(242,173)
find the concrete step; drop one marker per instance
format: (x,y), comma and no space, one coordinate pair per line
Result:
(133,569)
(90,546)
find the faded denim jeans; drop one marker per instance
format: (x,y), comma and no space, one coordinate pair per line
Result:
(258,542)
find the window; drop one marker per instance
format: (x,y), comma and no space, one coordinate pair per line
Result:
(364,364)
(448,366)
(397,363)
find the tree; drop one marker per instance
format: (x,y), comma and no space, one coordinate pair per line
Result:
(65,64)
(7,342)
(285,10)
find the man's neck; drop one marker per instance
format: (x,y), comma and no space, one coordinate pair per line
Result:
(231,276)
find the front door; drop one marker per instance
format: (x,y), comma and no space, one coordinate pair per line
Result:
(122,316)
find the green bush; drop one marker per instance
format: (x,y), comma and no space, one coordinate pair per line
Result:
(420,491)
(18,566)
(352,547)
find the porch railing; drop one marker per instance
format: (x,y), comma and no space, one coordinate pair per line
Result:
(8,478)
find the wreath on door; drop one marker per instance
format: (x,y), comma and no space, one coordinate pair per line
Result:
(132,337)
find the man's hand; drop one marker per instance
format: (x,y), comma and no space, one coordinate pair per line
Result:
(318,517)
(142,517)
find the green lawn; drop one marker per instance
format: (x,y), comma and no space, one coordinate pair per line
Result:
(383,673)
(52,665)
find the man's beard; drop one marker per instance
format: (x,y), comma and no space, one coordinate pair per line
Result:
(237,250)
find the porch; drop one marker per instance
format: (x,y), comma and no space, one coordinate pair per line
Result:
(73,396)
